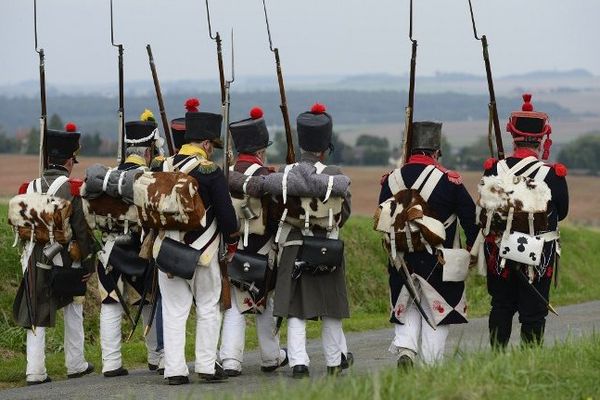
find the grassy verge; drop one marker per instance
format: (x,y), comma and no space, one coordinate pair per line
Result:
(566,371)
(367,286)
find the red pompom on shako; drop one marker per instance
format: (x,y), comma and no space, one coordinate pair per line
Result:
(318,108)
(256,113)
(530,125)
(70,127)
(192,104)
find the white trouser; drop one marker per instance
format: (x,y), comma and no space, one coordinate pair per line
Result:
(234,334)
(74,338)
(332,335)
(110,336)
(415,328)
(177,296)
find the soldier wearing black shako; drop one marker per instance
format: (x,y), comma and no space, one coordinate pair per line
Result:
(57,257)
(188,203)
(252,270)
(521,201)
(123,276)
(421,207)
(315,203)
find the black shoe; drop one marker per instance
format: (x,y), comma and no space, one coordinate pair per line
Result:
(405,362)
(232,372)
(152,367)
(88,370)
(32,383)
(116,372)
(272,368)
(178,380)
(347,360)
(300,371)
(218,376)
(160,371)
(334,371)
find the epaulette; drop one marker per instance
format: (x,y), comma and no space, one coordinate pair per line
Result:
(489,163)
(23,188)
(207,167)
(454,177)
(560,169)
(384,178)
(75,186)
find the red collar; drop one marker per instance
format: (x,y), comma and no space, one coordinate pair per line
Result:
(524,153)
(249,158)
(421,159)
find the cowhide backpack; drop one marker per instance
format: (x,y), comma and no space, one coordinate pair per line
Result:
(41,216)
(170,199)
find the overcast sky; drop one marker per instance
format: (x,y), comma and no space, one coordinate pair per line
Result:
(325,37)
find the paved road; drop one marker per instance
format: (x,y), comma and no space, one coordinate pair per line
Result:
(369,348)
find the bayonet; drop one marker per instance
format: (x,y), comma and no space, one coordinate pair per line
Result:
(121,112)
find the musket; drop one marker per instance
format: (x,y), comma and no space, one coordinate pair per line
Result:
(408,127)
(44,113)
(30,277)
(161,104)
(493,110)
(121,112)
(217,39)
(225,284)
(290,157)
(533,289)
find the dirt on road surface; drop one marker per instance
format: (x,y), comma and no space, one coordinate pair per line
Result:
(369,348)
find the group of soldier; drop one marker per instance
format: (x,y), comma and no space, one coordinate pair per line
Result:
(295,287)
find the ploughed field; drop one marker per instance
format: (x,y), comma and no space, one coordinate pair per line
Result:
(584,191)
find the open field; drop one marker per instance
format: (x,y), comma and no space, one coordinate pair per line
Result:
(584,191)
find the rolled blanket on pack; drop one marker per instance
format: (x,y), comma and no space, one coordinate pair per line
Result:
(302,181)
(118,184)
(254,187)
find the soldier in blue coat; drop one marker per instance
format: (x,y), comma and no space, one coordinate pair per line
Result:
(448,202)
(513,285)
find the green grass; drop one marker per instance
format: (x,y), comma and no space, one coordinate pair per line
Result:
(367,287)
(567,370)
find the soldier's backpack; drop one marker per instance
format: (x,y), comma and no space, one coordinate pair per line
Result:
(170,199)
(406,219)
(514,208)
(250,211)
(41,216)
(107,197)
(307,213)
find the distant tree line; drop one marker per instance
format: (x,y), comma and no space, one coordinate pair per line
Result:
(92,144)
(582,154)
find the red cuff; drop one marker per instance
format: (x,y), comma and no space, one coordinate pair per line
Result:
(232,247)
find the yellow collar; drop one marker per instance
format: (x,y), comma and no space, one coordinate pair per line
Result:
(191,150)
(135,159)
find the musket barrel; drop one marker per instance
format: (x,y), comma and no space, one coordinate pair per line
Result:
(493,107)
(161,104)
(411,101)
(43,163)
